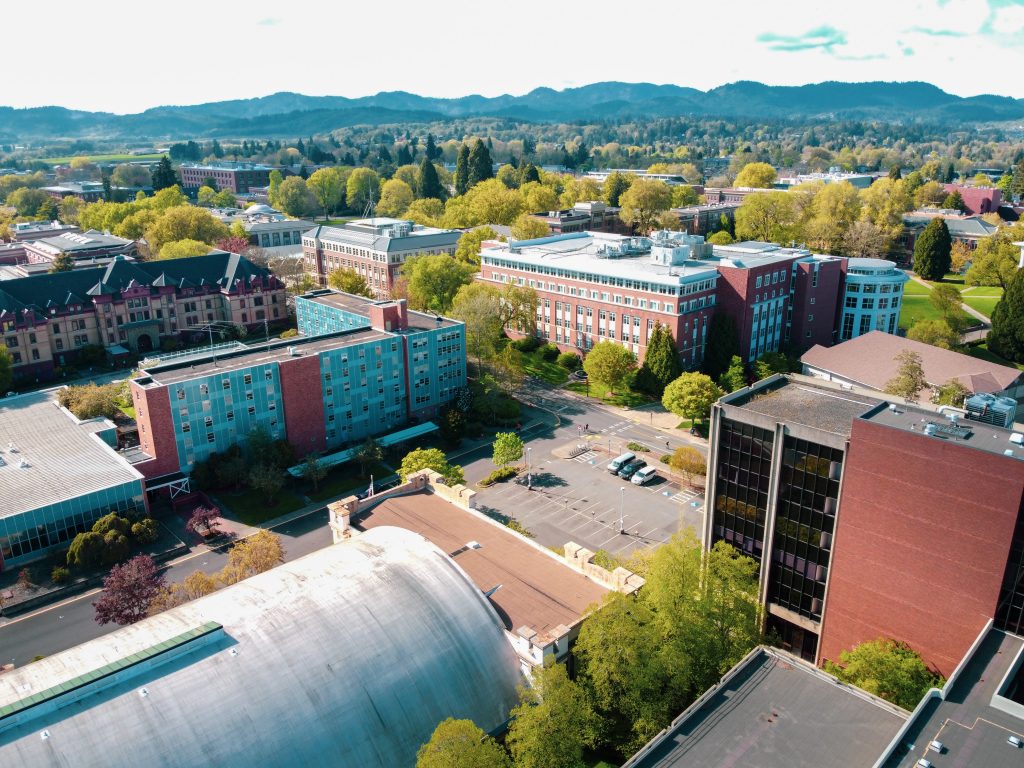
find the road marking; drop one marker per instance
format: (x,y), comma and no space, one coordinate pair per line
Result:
(584,458)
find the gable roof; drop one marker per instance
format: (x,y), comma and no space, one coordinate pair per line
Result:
(870,360)
(218,268)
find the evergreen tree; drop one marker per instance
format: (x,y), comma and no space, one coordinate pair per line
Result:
(734,377)
(661,363)
(932,251)
(950,174)
(1007,335)
(431,151)
(954,201)
(164,175)
(62,263)
(615,185)
(895,172)
(403,156)
(462,170)
(384,154)
(481,167)
(429,183)
(528,173)
(217,150)
(301,147)
(723,342)
(1018,179)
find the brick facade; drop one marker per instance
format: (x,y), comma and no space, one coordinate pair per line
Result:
(923,534)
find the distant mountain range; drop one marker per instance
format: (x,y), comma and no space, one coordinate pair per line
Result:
(293,114)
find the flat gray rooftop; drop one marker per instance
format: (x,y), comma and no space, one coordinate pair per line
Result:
(259,355)
(974,434)
(64,459)
(797,403)
(972,731)
(776,712)
(357,305)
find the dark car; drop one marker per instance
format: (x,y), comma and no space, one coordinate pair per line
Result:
(579,375)
(630,469)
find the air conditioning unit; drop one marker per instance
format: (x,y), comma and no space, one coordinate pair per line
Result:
(922,763)
(936,746)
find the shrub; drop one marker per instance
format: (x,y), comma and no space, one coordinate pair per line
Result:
(526,344)
(606,560)
(638,448)
(549,352)
(516,526)
(170,344)
(144,531)
(290,333)
(60,574)
(666,458)
(499,476)
(569,361)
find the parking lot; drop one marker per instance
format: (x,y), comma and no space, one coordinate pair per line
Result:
(577,499)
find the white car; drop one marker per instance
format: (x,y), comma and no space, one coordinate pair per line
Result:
(644,475)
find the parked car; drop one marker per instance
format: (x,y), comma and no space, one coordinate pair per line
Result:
(631,469)
(579,374)
(644,475)
(620,461)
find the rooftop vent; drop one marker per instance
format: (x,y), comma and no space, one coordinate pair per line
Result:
(23,464)
(11,447)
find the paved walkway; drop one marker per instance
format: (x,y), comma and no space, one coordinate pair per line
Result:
(973,335)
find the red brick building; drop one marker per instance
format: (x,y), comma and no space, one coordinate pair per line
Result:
(595,286)
(977,200)
(234,177)
(869,519)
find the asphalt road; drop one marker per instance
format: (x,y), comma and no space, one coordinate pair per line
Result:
(64,625)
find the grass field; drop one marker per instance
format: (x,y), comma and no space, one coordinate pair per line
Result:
(535,365)
(982,298)
(100,158)
(624,396)
(917,306)
(981,351)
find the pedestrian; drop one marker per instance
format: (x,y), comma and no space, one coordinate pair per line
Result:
(667,445)
(586,428)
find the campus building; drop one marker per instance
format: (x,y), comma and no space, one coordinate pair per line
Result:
(705,219)
(589,216)
(361,368)
(268,228)
(235,177)
(374,248)
(348,656)
(86,249)
(872,297)
(969,230)
(593,287)
(58,475)
(869,518)
(46,320)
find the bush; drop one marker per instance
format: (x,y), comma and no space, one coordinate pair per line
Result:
(498,476)
(516,526)
(526,344)
(637,448)
(666,458)
(170,344)
(289,334)
(60,574)
(144,531)
(549,352)
(569,361)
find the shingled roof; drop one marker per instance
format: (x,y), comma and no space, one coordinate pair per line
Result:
(218,268)
(870,360)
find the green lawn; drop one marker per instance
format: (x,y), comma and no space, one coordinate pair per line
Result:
(624,396)
(115,158)
(914,288)
(345,478)
(920,307)
(983,304)
(535,365)
(982,352)
(250,506)
(951,278)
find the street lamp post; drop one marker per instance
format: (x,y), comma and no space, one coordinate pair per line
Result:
(529,470)
(622,499)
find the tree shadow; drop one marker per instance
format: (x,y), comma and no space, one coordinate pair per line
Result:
(543,480)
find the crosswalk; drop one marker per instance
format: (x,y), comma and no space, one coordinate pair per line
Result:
(685,495)
(585,458)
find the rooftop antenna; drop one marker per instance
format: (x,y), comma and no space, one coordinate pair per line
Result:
(370,209)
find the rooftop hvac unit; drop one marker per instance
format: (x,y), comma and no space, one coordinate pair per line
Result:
(1017,438)
(1014,741)
(936,746)
(989,409)
(922,763)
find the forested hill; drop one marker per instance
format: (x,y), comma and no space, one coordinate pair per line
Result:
(296,114)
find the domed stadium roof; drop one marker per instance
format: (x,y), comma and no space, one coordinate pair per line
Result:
(349,657)
(259,208)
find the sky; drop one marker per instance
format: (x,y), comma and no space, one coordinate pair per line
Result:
(120,56)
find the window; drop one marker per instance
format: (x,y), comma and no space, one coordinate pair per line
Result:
(247,378)
(851,302)
(186,427)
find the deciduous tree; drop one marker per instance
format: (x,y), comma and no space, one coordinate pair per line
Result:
(128,591)
(433,281)
(184,223)
(887,668)
(909,379)
(689,462)
(349,281)
(362,188)
(252,555)
(554,723)
(395,198)
(615,184)
(183,249)
(642,203)
(430,458)
(757,175)
(461,744)
(526,227)
(734,377)
(691,396)
(313,470)
(508,448)
(766,216)
(6,369)
(204,520)
(609,364)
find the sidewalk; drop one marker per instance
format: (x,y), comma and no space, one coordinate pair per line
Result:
(976,334)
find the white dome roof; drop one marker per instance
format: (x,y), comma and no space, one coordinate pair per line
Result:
(260,208)
(349,656)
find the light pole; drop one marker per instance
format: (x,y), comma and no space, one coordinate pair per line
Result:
(622,499)
(529,470)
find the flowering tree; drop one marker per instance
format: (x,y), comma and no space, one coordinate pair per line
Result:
(203,521)
(128,591)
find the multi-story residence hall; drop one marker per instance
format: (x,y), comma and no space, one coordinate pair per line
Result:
(232,176)
(869,518)
(595,286)
(360,368)
(375,248)
(45,320)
